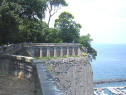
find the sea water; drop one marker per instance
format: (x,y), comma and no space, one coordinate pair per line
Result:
(110,62)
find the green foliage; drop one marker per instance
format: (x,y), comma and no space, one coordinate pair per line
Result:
(9,22)
(50,35)
(49,67)
(57,2)
(31,9)
(20,20)
(69,29)
(31,30)
(86,42)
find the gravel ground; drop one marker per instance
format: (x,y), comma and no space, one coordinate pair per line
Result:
(13,86)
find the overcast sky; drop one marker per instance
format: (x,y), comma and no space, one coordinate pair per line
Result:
(105,20)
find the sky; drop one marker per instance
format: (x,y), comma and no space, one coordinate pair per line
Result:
(104,20)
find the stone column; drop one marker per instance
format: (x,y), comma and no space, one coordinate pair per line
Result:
(73,52)
(61,51)
(79,51)
(55,53)
(40,52)
(68,52)
(48,52)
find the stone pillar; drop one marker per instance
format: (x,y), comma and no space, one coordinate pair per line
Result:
(68,52)
(41,52)
(61,51)
(55,53)
(79,51)
(73,52)
(48,52)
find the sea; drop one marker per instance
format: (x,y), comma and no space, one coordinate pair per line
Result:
(110,63)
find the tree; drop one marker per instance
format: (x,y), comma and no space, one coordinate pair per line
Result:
(51,35)
(53,6)
(31,30)
(86,42)
(69,29)
(20,20)
(32,9)
(9,22)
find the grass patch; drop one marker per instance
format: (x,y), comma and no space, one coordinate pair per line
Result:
(48,67)
(51,58)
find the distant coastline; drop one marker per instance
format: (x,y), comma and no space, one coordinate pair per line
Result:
(109,81)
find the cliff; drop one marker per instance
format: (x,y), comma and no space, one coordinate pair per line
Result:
(73,75)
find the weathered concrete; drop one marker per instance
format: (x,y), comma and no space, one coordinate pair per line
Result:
(48,85)
(22,67)
(12,64)
(10,85)
(6,65)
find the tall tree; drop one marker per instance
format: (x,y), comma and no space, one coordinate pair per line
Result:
(53,6)
(69,29)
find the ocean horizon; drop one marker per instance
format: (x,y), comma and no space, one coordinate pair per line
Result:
(110,62)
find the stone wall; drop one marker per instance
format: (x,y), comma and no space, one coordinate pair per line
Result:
(22,67)
(31,69)
(6,66)
(61,76)
(10,49)
(73,76)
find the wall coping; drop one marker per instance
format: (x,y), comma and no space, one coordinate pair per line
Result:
(19,57)
(51,44)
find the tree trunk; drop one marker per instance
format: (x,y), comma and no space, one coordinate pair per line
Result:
(49,19)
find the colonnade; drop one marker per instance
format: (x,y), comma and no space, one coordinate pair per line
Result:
(75,51)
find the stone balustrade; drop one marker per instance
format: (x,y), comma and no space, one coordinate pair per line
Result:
(45,49)
(53,49)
